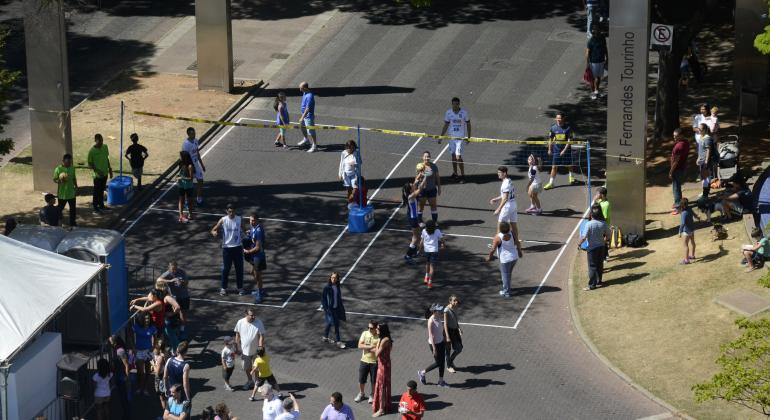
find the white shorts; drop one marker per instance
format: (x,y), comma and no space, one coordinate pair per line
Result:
(143,355)
(508,213)
(198,171)
(349,180)
(536,187)
(456,147)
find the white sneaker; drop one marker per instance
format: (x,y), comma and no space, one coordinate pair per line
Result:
(312,149)
(593,96)
(360,397)
(371,400)
(303,142)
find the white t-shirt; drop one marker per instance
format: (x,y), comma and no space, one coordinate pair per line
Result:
(507,187)
(231,232)
(249,332)
(456,122)
(293,415)
(347,163)
(431,242)
(228,356)
(271,409)
(191,147)
(102,385)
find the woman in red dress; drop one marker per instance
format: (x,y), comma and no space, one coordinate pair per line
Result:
(381,403)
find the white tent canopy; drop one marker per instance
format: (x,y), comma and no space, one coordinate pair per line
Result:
(34,285)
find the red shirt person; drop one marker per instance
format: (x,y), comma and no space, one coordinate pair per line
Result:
(678,166)
(411,406)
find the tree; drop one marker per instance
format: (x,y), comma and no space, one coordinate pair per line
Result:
(687,18)
(7,79)
(745,375)
(762,41)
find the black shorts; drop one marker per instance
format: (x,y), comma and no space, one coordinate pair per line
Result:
(185,192)
(414,223)
(367,369)
(270,379)
(184,303)
(259,264)
(429,193)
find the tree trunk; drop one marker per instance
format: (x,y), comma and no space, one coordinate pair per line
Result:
(667,94)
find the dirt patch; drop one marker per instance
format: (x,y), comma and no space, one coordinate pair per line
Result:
(160,93)
(656,320)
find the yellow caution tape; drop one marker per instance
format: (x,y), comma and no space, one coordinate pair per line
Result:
(349,128)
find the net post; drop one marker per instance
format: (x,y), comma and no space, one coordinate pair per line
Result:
(358,168)
(122,107)
(588,180)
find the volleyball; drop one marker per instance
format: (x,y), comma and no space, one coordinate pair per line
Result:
(420,167)
(63,177)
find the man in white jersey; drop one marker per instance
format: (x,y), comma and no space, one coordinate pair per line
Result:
(232,248)
(190,145)
(506,209)
(457,123)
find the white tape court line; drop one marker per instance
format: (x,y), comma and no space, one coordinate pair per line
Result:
(413,318)
(171,184)
(336,240)
(550,269)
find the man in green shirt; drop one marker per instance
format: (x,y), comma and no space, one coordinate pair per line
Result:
(64,176)
(601,200)
(99,162)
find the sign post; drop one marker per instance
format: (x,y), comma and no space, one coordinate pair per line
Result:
(627,112)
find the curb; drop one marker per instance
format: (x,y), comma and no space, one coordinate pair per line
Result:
(595,351)
(142,198)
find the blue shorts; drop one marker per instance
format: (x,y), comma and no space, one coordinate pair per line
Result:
(414,223)
(429,193)
(282,131)
(431,257)
(310,121)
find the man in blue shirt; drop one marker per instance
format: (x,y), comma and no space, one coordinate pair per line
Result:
(255,253)
(307,117)
(560,131)
(177,408)
(597,234)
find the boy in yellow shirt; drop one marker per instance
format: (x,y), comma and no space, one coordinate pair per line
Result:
(263,373)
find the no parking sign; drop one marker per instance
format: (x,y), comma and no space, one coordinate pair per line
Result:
(661,36)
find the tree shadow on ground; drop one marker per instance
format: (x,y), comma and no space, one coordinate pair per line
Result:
(338,91)
(377,12)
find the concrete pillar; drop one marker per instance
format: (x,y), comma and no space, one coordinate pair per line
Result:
(214,44)
(48,86)
(750,66)
(628,45)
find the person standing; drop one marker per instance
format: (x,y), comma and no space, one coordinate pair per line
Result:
(64,176)
(256,255)
(185,180)
(431,189)
(337,410)
(102,391)
(458,124)
(508,249)
(687,230)
(431,242)
(436,344)
(228,362)
(49,215)
(699,119)
(678,167)
(334,309)
(290,409)
(597,234)
(367,367)
(452,332)
(506,210)
(601,199)
(272,405)
(411,405)
(534,187)
(409,195)
(560,131)
(191,146)
(99,162)
(249,337)
(592,8)
(381,392)
(307,117)
(136,154)
(707,159)
(177,282)
(144,340)
(348,170)
(596,58)
(177,371)
(281,118)
(232,249)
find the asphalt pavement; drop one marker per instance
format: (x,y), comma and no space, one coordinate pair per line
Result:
(522,358)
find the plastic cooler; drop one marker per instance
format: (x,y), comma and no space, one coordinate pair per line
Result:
(119,190)
(361,219)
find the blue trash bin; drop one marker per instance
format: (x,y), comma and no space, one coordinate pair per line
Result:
(361,219)
(119,190)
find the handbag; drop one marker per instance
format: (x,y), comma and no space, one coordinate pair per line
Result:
(588,77)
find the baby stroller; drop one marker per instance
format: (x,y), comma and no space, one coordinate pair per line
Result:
(728,158)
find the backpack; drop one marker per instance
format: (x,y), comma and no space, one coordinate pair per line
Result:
(616,237)
(634,241)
